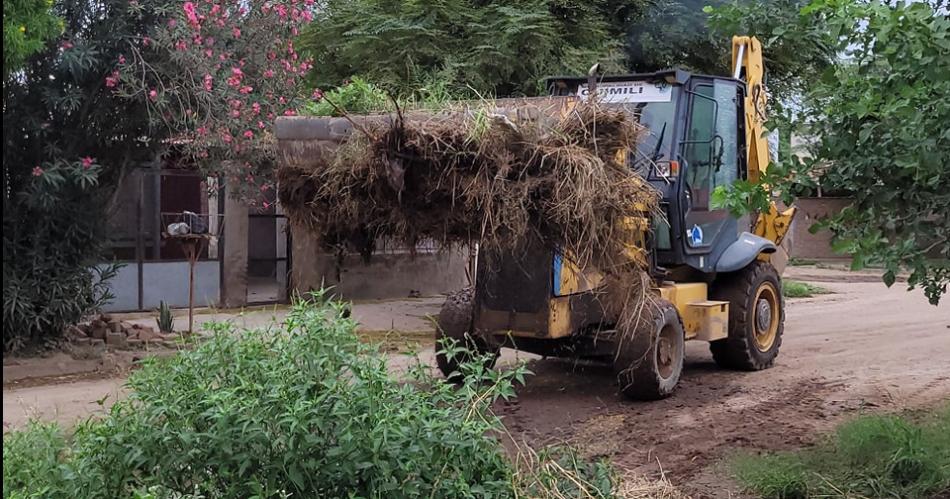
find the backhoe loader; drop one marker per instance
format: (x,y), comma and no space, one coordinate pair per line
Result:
(715,277)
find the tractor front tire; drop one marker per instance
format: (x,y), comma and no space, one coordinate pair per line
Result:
(756,317)
(455,324)
(648,362)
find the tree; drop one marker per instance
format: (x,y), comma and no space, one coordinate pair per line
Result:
(879,119)
(27,25)
(462,47)
(67,141)
(697,35)
(213,79)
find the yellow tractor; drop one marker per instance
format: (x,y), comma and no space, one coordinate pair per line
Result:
(717,278)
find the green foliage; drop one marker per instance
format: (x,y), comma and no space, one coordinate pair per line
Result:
(300,410)
(56,109)
(355,97)
(871,456)
(473,48)
(795,48)
(878,119)
(52,243)
(27,26)
(165,320)
(796,289)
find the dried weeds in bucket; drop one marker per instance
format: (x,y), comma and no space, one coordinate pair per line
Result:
(489,175)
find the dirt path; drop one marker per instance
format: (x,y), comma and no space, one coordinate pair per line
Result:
(865,347)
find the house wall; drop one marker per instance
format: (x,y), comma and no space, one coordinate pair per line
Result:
(804,244)
(388,274)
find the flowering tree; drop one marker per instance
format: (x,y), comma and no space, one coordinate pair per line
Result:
(215,76)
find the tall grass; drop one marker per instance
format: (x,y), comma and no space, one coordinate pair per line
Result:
(878,456)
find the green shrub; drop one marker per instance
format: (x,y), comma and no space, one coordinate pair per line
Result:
(304,410)
(871,456)
(796,289)
(356,97)
(54,237)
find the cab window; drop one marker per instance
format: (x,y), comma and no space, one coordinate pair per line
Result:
(710,151)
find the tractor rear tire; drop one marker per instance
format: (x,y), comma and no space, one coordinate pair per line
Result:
(649,362)
(455,323)
(756,317)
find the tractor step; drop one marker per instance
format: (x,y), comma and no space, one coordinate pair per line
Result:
(706,320)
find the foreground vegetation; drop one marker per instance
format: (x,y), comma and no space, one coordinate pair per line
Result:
(304,410)
(872,456)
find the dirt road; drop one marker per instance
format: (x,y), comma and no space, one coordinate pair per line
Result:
(865,347)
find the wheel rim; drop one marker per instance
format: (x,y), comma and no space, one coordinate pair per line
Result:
(766,316)
(667,351)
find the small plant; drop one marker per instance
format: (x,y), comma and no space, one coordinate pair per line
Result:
(871,456)
(165,319)
(356,97)
(796,289)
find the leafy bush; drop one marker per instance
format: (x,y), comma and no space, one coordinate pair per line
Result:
(305,410)
(356,97)
(872,456)
(53,239)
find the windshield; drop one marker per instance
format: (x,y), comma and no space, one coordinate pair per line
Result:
(657,118)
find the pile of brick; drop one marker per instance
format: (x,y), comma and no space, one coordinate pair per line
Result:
(113,333)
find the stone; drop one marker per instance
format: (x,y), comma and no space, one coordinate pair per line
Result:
(72,332)
(117,340)
(84,341)
(86,328)
(149,334)
(115,327)
(134,343)
(97,323)
(105,318)
(99,332)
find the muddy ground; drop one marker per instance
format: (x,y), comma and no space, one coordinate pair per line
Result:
(862,348)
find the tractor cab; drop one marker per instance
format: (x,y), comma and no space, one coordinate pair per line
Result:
(694,141)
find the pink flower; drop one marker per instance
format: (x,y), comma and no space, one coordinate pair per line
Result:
(153,95)
(317,94)
(190,13)
(209,81)
(202,131)
(290,112)
(256,108)
(269,73)
(37,171)
(87,162)
(215,9)
(235,113)
(121,59)
(66,45)
(248,134)
(209,53)
(264,187)
(236,32)
(181,45)
(146,41)
(112,80)
(226,138)
(172,23)
(246,89)
(261,125)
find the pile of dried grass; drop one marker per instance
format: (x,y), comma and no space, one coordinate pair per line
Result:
(483,175)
